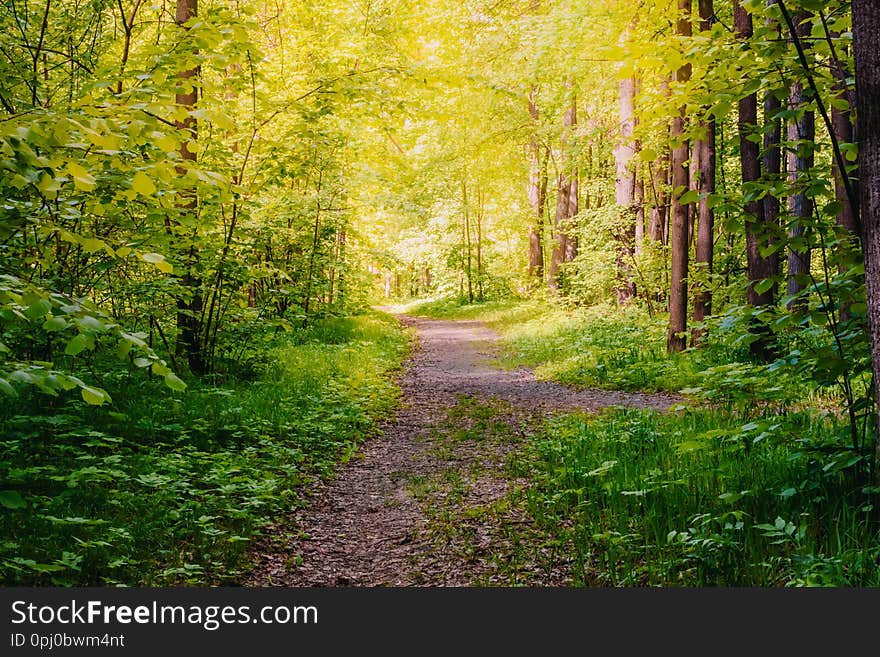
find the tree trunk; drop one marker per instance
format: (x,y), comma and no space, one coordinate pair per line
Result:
(480,206)
(659,200)
(676,339)
(640,214)
(565,244)
(537,192)
(189,305)
(705,149)
(772,156)
(625,189)
(866,48)
(801,136)
(757,235)
(467,242)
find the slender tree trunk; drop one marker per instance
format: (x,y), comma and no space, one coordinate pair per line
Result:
(772,155)
(659,199)
(676,339)
(189,305)
(705,149)
(841,119)
(480,205)
(866,48)
(537,192)
(625,189)
(640,214)
(467,241)
(759,267)
(565,244)
(801,136)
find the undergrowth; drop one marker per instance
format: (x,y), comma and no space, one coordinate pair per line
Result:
(165,488)
(701,497)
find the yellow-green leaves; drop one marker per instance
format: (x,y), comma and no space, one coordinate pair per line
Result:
(94,396)
(174,382)
(142,184)
(82,179)
(159,260)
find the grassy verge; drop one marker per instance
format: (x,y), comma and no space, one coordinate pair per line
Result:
(701,498)
(165,488)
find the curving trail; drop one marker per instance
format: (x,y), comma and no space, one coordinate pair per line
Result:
(373,524)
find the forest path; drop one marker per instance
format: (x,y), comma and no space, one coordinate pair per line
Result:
(427,502)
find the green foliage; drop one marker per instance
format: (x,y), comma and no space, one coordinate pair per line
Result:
(158,488)
(705,498)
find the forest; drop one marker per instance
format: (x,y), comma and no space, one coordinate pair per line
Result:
(466,293)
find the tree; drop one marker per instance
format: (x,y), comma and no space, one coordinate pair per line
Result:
(704,149)
(189,303)
(801,139)
(537,191)
(676,339)
(625,187)
(565,247)
(866,51)
(761,265)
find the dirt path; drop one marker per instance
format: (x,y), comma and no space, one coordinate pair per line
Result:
(423,504)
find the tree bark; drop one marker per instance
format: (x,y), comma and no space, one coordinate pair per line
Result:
(866,48)
(801,135)
(467,242)
(759,267)
(565,246)
(676,339)
(705,148)
(537,191)
(625,189)
(189,305)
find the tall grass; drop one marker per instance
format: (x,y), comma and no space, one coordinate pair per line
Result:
(705,498)
(165,488)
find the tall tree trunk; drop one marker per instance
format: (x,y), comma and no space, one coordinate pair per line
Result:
(625,189)
(841,119)
(480,207)
(757,235)
(659,200)
(676,339)
(565,245)
(537,192)
(640,214)
(802,135)
(467,242)
(772,156)
(705,149)
(189,305)
(866,48)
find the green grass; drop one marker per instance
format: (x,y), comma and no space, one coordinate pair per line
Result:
(167,488)
(757,483)
(704,498)
(599,346)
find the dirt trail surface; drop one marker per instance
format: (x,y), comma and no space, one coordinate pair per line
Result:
(419,504)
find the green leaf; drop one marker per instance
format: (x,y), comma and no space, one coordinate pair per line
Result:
(55,324)
(763,285)
(77,344)
(82,179)
(94,396)
(691,196)
(159,260)
(38,309)
(7,388)
(12,499)
(174,382)
(142,184)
